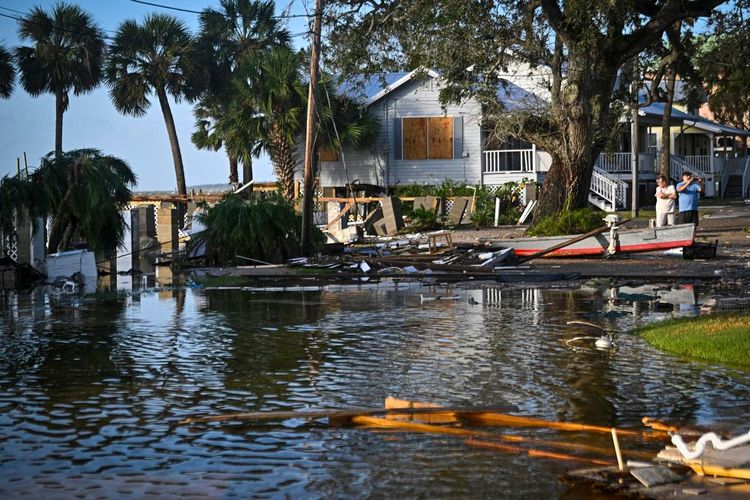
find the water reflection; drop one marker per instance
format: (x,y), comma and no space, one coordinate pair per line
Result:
(92,387)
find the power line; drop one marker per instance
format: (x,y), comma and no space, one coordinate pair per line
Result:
(180,9)
(55,28)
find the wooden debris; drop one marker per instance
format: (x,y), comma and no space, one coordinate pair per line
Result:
(654,476)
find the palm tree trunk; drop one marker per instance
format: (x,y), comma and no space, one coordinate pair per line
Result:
(179,170)
(234,176)
(247,170)
(59,111)
(282,157)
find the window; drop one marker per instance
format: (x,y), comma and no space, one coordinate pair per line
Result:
(427,138)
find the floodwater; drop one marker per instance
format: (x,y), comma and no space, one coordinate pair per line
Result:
(92,388)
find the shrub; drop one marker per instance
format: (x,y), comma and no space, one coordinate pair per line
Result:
(261,229)
(510,205)
(423,220)
(577,221)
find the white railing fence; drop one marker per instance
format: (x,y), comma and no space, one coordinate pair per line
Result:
(509,160)
(735,166)
(620,162)
(614,191)
(697,163)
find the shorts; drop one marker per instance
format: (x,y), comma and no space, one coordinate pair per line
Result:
(689,217)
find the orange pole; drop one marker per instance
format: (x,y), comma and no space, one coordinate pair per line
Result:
(534,453)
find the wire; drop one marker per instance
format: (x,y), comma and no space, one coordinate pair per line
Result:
(180,9)
(55,28)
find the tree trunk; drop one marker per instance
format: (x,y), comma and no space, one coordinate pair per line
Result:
(284,164)
(62,216)
(247,170)
(179,170)
(59,111)
(583,114)
(666,131)
(234,177)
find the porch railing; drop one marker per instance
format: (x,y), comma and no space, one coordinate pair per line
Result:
(620,162)
(509,160)
(735,166)
(698,163)
(614,191)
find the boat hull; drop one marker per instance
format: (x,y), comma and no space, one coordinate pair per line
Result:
(626,241)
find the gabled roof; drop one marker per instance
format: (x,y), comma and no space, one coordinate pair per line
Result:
(378,86)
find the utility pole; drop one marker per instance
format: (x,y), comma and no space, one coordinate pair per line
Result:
(634,151)
(307,201)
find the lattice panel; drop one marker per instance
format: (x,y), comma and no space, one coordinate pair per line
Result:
(9,245)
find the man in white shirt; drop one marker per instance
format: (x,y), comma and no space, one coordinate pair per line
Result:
(665,196)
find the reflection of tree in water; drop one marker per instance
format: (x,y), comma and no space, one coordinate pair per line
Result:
(78,339)
(266,354)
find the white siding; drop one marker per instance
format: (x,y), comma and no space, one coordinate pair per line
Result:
(378,165)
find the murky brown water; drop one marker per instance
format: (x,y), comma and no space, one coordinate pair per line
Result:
(92,388)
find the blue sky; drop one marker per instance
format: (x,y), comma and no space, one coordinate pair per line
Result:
(28,124)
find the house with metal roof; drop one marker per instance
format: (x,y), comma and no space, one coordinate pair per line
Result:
(423,141)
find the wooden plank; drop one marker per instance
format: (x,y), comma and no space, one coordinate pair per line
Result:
(440,133)
(285,415)
(326,153)
(344,211)
(456,215)
(415,138)
(535,453)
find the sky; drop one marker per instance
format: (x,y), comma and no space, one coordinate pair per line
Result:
(27,124)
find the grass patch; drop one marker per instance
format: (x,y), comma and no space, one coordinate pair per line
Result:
(719,338)
(578,221)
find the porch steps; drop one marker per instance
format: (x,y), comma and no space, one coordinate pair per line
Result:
(600,202)
(734,187)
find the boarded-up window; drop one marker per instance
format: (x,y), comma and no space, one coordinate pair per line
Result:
(427,138)
(326,153)
(415,138)
(440,130)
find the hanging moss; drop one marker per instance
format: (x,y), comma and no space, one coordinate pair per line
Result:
(267,230)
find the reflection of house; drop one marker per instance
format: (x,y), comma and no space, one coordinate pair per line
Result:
(423,142)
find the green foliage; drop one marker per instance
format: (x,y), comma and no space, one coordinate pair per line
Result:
(412,190)
(510,205)
(578,221)
(83,191)
(7,73)
(423,220)
(720,338)
(267,230)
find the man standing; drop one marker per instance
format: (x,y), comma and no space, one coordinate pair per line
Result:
(689,189)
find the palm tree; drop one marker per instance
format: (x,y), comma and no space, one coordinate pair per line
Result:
(7,73)
(83,190)
(154,57)
(271,86)
(240,29)
(66,54)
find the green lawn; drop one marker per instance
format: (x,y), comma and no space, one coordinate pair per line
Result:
(718,338)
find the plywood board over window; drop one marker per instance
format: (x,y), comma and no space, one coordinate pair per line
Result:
(415,138)
(440,146)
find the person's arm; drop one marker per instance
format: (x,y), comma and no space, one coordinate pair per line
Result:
(682,186)
(701,187)
(671,193)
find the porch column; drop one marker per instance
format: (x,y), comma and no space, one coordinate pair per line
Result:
(533,159)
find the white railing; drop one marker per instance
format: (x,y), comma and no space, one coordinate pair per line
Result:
(509,160)
(620,162)
(614,191)
(677,166)
(746,177)
(698,163)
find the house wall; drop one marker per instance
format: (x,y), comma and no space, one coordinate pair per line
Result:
(378,164)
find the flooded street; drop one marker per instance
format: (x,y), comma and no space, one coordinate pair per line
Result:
(92,387)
